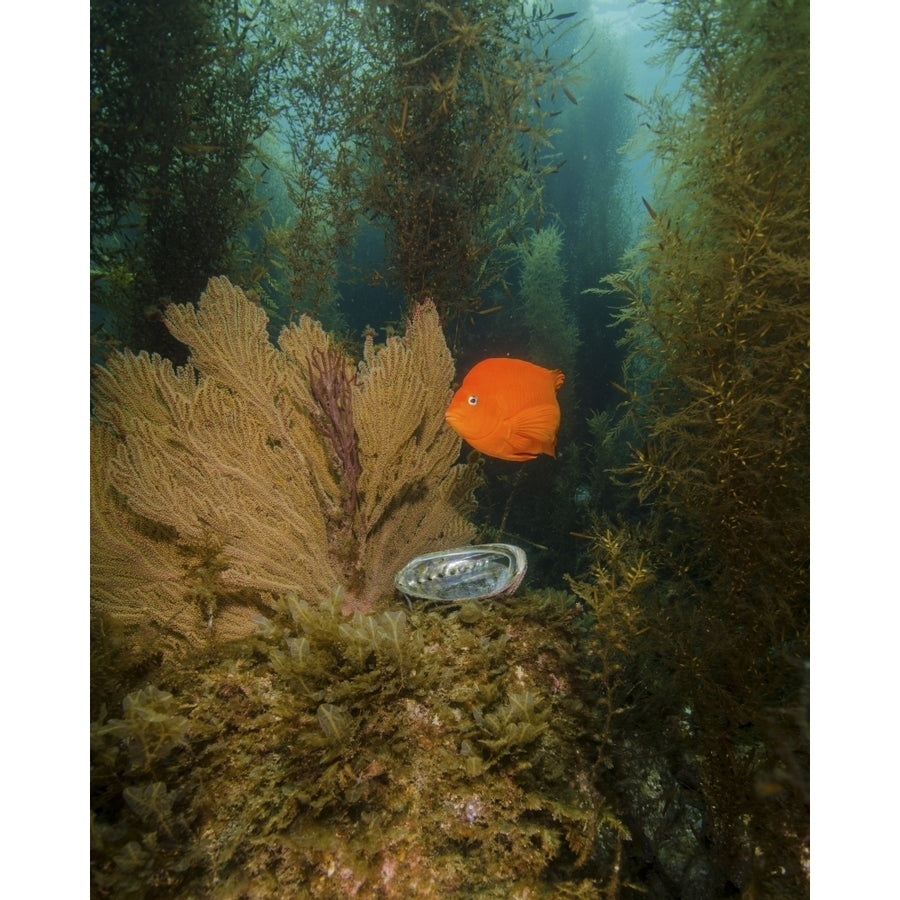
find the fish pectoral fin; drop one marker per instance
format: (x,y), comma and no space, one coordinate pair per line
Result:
(534,430)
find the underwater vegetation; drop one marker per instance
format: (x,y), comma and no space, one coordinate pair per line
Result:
(254,469)
(717,332)
(552,330)
(179,96)
(393,754)
(430,122)
(461,157)
(268,719)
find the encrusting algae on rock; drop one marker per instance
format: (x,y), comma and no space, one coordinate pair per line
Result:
(406,753)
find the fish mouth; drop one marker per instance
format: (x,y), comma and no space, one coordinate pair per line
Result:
(455,422)
(458,424)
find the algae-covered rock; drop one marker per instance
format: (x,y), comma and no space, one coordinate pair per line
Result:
(399,754)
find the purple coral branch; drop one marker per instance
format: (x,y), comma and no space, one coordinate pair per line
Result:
(332,387)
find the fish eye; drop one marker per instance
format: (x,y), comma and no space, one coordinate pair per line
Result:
(473,400)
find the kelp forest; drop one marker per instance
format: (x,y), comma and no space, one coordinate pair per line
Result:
(309,221)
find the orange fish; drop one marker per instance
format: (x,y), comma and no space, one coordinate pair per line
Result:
(507,408)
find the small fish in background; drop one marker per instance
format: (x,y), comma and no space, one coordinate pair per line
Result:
(507,408)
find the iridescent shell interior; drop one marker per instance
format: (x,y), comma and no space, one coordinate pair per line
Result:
(463,573)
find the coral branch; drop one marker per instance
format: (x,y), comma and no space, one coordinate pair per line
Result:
(332,387)
(255,471)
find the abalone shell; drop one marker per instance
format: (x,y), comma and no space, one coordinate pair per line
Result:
(476,572)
